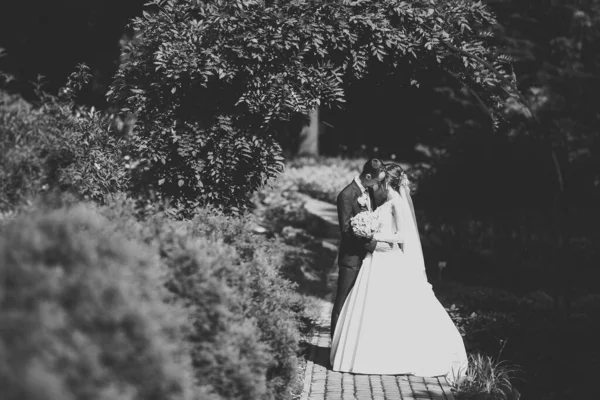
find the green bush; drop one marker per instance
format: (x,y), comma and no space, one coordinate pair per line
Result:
(322,178)
(279,205)
(226,346)
(245,319)
(57,147)
(83,315)
(214,287)
(252,271)
(323,182)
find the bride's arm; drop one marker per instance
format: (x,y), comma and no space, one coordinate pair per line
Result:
(397,236)
(388,237)
(397,212)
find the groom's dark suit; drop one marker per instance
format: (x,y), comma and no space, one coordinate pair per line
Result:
(353,249)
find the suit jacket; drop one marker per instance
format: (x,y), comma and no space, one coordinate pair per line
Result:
(353,249)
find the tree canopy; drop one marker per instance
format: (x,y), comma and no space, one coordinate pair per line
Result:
(212,82)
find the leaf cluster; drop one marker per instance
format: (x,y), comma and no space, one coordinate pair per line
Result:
(211,83)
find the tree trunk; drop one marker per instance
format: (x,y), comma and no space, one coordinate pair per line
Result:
(309,136)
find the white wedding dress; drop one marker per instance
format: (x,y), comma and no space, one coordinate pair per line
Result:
(391,322)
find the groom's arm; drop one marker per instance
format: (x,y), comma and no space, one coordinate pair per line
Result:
(344,209)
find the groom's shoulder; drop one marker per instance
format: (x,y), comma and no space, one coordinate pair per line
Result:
(347,191)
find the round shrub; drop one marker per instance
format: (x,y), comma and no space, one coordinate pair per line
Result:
(83,316)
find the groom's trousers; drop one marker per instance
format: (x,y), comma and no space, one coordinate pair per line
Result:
(346,279)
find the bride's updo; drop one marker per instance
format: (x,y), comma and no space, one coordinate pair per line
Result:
(393,176)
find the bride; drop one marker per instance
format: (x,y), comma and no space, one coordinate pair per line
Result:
(392,323)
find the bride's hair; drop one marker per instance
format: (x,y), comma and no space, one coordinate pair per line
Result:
(393,175)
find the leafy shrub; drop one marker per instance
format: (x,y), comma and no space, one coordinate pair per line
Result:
(350,164)
(245,315)
(278,204)
(322,178)
(253,273)
(83,314)
(226,346)
(322,182)
(53,147)
(291,213)
(281,206)
(241,317)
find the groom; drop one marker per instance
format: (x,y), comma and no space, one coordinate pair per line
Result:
(356,197)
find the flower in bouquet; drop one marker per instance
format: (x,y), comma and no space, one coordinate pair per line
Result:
(365,224)
(363,201)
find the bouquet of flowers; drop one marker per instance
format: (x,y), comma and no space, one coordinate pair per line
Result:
(365,224)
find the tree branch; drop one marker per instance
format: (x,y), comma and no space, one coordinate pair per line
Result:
(481,103)
(495,71)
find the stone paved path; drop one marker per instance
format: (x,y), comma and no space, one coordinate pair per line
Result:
(320,383)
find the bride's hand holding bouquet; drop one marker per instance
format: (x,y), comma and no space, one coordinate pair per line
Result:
(365,224)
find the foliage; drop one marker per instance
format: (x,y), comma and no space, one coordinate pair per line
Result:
(322,183)
(269,298)
(457,318)
(239,316)
(56,147)
(322,179)
(559,67)
(351,164)
(213,82)
(83,314)
(555,53)
(480,298)
(226,351)
(244,337)
(528,333)
(487,379)
(289,213)
(522,199)
(483,328)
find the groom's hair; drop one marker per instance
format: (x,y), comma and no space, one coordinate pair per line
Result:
(373,167)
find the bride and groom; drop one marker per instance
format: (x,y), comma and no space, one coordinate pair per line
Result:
(386,319)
